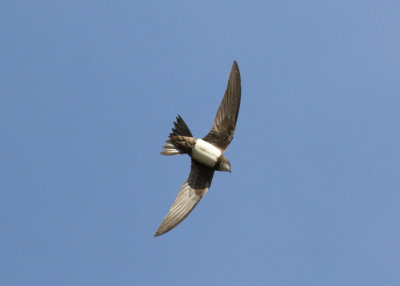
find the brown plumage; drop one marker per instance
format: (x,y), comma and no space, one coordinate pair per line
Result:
(192,191)
(221,134)
(181,141)
(183,144)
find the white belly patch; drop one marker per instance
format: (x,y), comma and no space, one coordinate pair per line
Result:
(205,153)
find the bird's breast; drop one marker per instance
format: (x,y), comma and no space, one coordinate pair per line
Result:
(205,153)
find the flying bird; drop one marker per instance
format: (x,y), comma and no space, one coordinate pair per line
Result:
(207,154)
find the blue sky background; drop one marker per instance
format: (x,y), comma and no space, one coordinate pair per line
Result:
(88,94)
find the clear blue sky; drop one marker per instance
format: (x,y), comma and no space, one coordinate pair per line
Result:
(88,94)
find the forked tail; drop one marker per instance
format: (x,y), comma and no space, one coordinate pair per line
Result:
(173,147)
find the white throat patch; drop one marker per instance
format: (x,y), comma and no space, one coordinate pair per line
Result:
(206,153)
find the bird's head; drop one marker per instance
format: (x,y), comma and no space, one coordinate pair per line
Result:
(223,164)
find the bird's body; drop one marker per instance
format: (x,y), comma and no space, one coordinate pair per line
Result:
(207,153)
(201,151)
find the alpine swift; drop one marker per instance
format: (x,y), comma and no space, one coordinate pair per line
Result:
(207,154)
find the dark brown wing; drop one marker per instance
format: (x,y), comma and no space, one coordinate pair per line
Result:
(192,191)
(221,133)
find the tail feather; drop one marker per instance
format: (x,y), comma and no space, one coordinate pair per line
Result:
(170,150)
(180,129)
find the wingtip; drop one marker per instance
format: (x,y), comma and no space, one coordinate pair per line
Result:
(159,232)
(235,66)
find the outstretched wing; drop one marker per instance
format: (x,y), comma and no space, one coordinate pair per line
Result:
(222,132)
(192,191)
